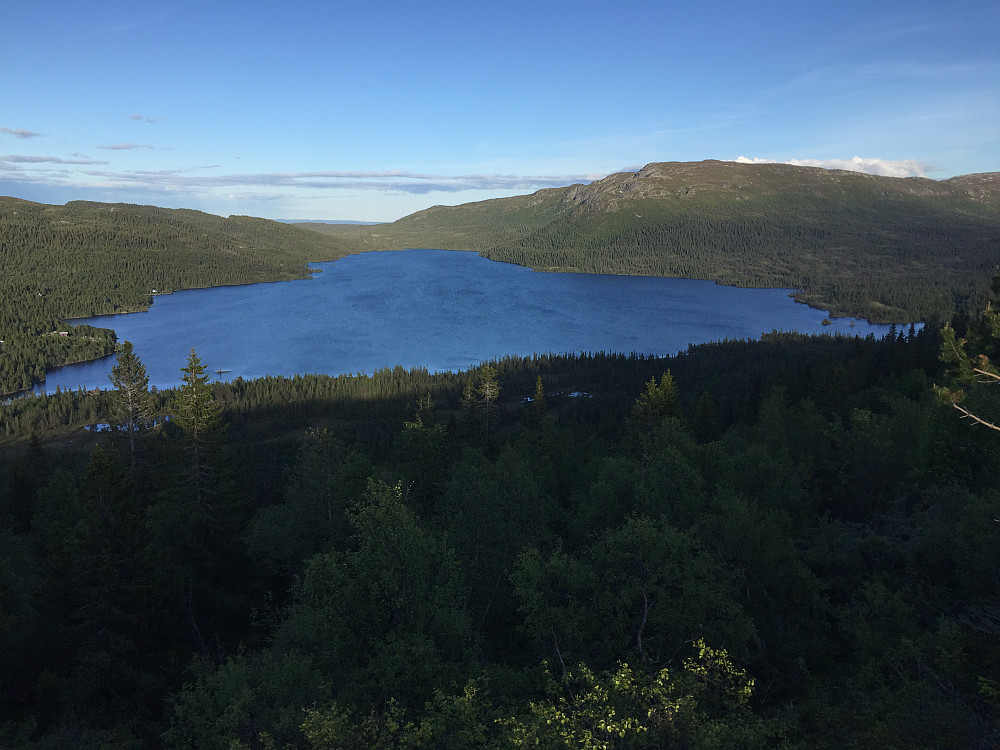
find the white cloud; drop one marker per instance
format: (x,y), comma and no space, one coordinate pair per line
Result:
(883,167)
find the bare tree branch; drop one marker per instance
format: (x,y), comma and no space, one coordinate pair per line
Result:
(969,415)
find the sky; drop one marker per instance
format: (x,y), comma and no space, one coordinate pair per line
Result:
(371,111)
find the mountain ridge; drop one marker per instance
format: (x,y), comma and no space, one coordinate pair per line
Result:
(884,248)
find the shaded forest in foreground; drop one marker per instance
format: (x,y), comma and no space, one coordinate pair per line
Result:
(789,542)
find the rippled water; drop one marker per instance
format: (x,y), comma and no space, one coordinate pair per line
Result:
(436,309)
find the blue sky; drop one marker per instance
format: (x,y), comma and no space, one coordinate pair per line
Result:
(370,111)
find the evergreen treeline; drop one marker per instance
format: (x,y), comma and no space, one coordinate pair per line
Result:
(886,249)
(85,259)
(788,542)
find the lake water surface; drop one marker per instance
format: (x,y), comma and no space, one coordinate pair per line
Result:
(436,309)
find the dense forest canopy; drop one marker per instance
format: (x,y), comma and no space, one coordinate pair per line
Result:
(782,543)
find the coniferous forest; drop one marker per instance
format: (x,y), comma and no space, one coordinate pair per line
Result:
(85,259)
(791,542)
(784,543)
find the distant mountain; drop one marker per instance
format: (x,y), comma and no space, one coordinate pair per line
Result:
(884,248)
(331,222)
(335,227)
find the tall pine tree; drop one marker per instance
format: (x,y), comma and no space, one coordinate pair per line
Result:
(198,415)
(132,407)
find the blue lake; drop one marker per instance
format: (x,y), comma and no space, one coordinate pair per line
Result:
(439,310)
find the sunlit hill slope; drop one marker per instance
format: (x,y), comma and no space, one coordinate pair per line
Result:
(881,247)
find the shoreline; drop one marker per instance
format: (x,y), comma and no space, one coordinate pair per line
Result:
(310,271)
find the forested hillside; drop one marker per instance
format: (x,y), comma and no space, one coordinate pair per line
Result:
(85,259)
(782,543)
(882,248)
(887,249)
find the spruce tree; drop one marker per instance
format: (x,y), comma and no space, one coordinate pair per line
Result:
(538,408)
(132,405)
(198,416)
(659,401)
(489,392)
(538,402)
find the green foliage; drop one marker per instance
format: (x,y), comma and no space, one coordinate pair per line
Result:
(539,407)
(422,458)
(704,705)
(658,402)
(383,619)
(249,701)
(198,415)
(834,532)
(132,408)
(641,592)
(447,722)
(973,368)
(490,512)
(85,259)
(325,479)
(196,412)
(479,398)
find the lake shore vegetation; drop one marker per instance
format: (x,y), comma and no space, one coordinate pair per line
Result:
(85,259)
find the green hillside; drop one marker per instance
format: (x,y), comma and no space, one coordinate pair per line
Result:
(883,248)
(783,543)
(888,249)
(86,259)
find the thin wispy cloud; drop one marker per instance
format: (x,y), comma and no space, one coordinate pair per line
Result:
(19,132)
(195,180)
(388,181)
(123,146)
(144,118)
(20,159)
(881,167)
